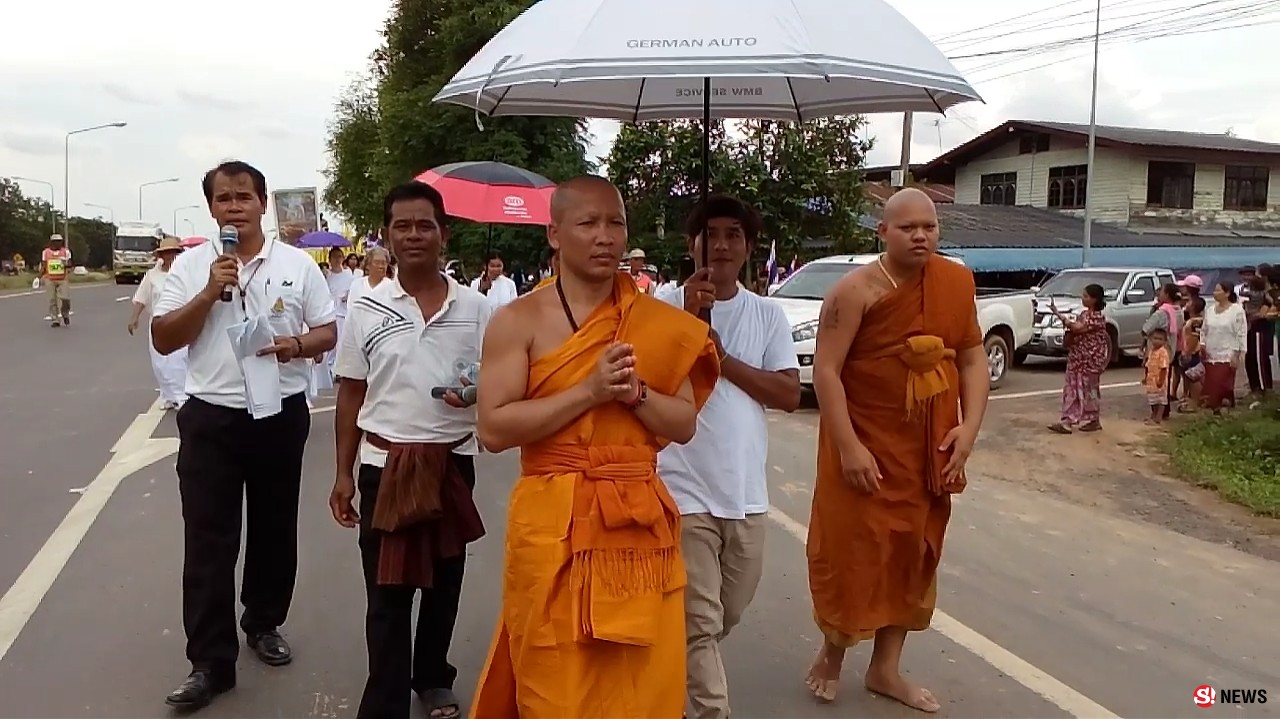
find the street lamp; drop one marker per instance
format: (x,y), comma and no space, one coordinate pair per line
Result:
(190,224)
(149,184)
(175,215)
(110,212)
(53,213)
(66,176)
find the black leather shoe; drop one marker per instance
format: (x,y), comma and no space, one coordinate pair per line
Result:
(198,689)
(271,648)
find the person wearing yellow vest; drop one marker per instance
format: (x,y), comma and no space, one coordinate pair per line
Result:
(54,264)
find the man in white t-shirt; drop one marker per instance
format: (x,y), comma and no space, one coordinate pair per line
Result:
(718,479)
(492,283)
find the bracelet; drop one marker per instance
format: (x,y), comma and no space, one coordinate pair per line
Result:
(642,394)
(298,340)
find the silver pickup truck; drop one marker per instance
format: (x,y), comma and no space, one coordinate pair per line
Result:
(1130,293)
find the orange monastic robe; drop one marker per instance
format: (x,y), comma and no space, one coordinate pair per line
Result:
(873,559)
(546,282)
(592,623)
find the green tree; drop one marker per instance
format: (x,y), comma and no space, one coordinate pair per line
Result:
(387,130)
(804,178)
(25,228)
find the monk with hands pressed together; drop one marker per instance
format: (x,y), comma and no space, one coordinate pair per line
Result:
(590,378)
(902,382)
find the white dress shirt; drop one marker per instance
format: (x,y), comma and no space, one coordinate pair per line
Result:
(401,355)
(502,291)
(281,283)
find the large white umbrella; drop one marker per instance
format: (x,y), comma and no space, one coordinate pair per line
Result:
(639,60)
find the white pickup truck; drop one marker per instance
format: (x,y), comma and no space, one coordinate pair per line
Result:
(1007,319)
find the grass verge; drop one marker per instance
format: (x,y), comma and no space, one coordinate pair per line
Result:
(23,281)
(1237,455)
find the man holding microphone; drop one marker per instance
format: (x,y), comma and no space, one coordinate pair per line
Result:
(225,454)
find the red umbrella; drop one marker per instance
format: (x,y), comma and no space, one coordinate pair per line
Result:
(492,192)
(190,242)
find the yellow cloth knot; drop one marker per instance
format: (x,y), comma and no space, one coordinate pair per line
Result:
(923,356)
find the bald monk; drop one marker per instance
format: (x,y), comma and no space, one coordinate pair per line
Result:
(899,363)
(590,378)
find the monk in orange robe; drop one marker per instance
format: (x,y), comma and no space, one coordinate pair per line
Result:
(902,381)
(590,378)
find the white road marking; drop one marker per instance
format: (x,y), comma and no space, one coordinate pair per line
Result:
(1048,392)
(134,450)
(121,299)
(318,410)
(28,293)
(1037,680)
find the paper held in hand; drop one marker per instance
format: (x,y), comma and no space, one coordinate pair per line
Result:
(261,374)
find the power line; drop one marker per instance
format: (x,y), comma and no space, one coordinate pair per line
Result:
(1077,56)
(1204,21)
(1053,23)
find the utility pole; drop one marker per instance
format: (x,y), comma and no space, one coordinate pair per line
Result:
(908,119)
(1093,140)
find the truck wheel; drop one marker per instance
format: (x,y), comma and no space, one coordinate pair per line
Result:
(997,359)
(121,280)
(1116,353)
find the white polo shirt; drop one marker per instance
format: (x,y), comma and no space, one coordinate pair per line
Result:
(282,283)
(402,355)
(721,471)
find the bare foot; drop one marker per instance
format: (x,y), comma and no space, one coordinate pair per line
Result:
(824,676)
(894,686)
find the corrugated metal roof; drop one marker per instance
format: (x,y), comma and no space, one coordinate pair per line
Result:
(1052,259)
(1162,138)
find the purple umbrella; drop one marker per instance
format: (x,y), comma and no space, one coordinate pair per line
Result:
(315,240)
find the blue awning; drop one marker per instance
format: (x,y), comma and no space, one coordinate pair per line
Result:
(1052,259)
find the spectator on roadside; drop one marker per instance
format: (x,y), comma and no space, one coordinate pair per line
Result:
(1088,354)
(1224,334)
(1191,362)
(1259,311)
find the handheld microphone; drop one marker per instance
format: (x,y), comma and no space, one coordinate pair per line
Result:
(228,237)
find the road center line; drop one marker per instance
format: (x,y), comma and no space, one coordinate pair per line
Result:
(1048,392)
(133,451)
(1037,680)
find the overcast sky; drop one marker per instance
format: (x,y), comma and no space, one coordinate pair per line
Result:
(197,85)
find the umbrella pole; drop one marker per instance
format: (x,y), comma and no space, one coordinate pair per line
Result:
(705,315)
(488,243)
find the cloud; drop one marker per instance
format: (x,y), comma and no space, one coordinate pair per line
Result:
(273,131)
(211,148)
(125,94)
(206,100)
(32,142)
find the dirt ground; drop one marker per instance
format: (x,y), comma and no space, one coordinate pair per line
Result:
(1117,470)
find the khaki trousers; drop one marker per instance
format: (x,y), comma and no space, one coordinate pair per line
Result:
(725,560)
(57,292)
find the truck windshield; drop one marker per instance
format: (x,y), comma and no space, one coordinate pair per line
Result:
(137,244)
(812,281)
(1072,284)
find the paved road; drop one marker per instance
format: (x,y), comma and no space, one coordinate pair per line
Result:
(1048,609)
